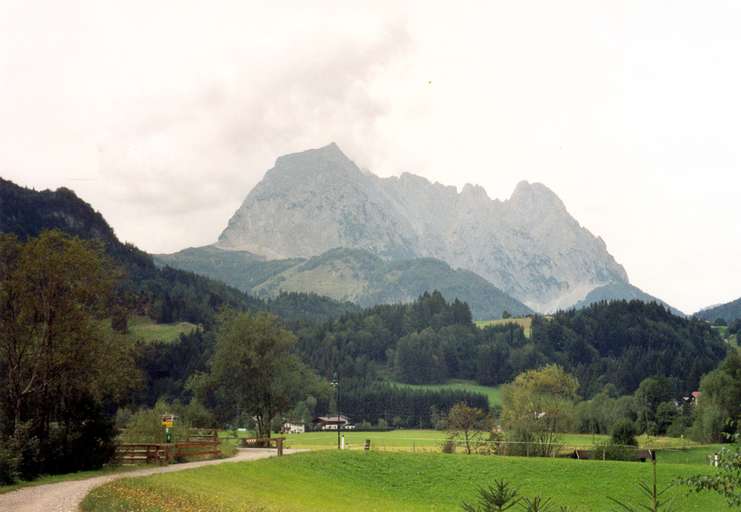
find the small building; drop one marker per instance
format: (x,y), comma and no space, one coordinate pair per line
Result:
(293,428)
(332,422)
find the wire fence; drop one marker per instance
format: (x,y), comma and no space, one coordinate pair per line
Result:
(690,454)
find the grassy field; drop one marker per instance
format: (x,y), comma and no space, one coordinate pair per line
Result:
(492,393)
(340,481)
(526,323)
(431,440)
(145,329)
(394,440)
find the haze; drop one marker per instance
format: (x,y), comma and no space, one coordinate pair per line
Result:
(164,115)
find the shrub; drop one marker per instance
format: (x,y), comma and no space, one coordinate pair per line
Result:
(726,481)
(624,433)
(502,497)
(145,426)
(498,498)
(609,451)
(448,446)
(9,460)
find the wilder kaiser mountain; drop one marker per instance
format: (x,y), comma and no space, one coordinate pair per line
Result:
(529,246)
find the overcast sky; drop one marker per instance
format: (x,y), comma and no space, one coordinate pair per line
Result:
(163,115)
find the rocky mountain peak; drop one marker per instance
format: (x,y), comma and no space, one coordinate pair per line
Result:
(527,194)
(474,192)
(529,246)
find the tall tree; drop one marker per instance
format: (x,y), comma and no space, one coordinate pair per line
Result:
(538,405)
(57,361)
(254,371)
(468,423)
(718,413)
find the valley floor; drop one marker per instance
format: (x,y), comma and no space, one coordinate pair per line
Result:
(382,481)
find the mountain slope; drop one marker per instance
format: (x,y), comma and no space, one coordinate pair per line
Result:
(621,291)
(240,269)
(728,312)
(528,246)
(354,275)
(166,295)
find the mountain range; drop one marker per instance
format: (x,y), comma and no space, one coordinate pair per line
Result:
(318,223)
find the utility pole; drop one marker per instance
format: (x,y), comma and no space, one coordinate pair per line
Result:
(336,383)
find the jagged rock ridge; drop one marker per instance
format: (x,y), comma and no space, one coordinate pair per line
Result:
(528,245)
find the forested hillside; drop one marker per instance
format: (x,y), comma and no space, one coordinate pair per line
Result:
(347,275)
(729,312)
(164,294)
(621,343)
(621,291)
(431,340)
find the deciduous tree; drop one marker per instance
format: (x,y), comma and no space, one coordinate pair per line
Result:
(254,371)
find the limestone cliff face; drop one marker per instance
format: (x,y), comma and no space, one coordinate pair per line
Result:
(529,245)
(314,201)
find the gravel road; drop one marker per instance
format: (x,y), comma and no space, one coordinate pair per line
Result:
(66,496)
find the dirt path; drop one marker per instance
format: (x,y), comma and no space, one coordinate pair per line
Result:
(66,496)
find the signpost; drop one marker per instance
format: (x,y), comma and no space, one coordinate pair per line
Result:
(168,420)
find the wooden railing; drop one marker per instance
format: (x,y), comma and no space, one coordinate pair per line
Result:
(141,453)
(200,443)
(264,442)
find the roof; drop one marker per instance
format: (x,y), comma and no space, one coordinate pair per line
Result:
(330,419)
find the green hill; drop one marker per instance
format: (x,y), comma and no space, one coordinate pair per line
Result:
(165,295)
(353,275)
(729,312)
(621,291)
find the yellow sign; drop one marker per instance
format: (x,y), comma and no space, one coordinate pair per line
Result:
(167,424)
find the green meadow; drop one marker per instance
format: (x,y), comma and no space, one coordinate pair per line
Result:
(492,393)
(389,481)
(525,322)
(431,440)
(147,330)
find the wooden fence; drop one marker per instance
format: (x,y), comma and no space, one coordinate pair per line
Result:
(200,443)
(264,442)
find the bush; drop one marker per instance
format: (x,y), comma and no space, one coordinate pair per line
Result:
(609,451)
(82,446)
(709,424)
(9,461)
(23,449)
(145,425)
(624,433)
(448,446)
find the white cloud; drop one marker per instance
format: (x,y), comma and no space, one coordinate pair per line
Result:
(163,115)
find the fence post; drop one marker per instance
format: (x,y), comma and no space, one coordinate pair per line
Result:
(279,445)
(367,445)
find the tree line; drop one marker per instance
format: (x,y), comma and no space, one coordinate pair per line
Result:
(65,372)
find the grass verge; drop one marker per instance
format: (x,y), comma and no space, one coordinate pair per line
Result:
(341,481)
(80,475)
